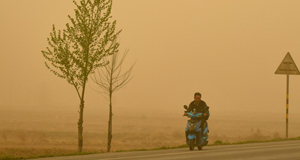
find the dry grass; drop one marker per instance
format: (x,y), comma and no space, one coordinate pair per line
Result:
(31,134)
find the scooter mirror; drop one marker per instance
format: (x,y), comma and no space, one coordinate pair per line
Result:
(185,106)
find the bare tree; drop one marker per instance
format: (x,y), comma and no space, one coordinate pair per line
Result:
(75,53)
(110,78)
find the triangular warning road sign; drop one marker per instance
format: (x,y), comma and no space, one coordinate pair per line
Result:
(288,66)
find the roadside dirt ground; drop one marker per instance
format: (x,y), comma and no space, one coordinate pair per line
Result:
(37,131)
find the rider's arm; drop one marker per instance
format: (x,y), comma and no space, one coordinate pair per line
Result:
(206,113)
(190,108)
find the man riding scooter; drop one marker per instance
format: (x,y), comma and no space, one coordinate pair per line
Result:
(199,106)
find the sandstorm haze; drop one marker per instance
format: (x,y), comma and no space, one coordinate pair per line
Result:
(227,50)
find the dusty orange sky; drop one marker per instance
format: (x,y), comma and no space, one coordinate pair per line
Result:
(227,50)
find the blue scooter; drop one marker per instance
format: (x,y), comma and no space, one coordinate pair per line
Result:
(193,130)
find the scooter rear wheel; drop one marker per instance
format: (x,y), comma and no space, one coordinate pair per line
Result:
(199,147)
(191,144)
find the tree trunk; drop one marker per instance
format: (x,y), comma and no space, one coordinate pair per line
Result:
(109,124)
(80,121)
(80,127)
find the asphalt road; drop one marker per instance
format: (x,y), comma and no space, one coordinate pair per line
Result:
(285,150)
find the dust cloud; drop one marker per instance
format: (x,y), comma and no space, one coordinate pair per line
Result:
(227,50)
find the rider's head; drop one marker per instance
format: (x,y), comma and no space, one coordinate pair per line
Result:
(197,97)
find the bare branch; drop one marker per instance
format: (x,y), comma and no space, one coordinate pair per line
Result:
(110,77)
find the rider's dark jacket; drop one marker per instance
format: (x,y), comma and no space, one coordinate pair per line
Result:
(202,108)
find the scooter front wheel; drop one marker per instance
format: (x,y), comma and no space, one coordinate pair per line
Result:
(199,147)
(191,144)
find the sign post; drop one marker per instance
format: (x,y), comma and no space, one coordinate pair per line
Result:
(287,67)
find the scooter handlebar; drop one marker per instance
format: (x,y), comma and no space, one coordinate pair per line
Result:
(198,115)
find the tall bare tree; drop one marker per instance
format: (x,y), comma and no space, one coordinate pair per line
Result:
(75,52)
(110,78)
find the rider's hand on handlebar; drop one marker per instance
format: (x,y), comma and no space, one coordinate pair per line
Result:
(200,115)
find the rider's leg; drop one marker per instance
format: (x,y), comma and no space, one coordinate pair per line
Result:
(205,134)
(202,128)
(186,137)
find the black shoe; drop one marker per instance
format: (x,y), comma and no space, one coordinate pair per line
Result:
(205,143)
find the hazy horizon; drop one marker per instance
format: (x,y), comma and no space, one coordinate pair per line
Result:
(227,50)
